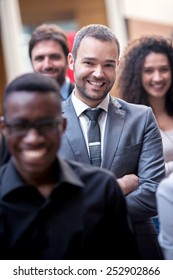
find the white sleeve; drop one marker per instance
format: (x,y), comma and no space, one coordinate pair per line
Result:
(168,167)
(164,197)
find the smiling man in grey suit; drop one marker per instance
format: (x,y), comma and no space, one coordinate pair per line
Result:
(131,145)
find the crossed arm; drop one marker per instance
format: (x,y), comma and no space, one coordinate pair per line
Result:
(128,183)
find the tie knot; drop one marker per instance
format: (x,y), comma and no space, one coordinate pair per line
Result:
(93,114)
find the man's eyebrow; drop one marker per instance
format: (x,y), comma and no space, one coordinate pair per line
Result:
(95,59)
(89,58)
(38,55)
(111,61)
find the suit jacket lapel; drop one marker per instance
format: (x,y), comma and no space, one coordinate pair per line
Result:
(114,127)
(71,87)
(74,133)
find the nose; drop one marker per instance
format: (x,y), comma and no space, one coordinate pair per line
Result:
(98,71)
(47,62)
(157,76)
(33,136)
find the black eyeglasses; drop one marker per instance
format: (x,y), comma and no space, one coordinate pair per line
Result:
(44,126)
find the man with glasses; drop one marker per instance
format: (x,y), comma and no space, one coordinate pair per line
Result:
(48,50)
(51,208)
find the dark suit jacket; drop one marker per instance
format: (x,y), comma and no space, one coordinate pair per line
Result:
(70,89)
(132,144)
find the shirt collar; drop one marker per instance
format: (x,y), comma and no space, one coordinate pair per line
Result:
(80,106)
(9,174)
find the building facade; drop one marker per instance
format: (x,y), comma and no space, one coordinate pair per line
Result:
(128,18)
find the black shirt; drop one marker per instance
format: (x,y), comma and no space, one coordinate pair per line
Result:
(83,218)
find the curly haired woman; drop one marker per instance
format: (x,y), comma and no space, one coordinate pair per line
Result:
(145,76)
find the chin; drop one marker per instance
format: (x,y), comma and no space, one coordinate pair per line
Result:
(32,167)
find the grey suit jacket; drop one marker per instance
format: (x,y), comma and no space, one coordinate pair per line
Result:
(132,144)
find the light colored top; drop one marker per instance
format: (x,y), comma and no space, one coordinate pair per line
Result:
(164,196)
(80,107)
(167,140)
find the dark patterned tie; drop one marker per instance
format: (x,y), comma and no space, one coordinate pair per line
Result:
(94,138)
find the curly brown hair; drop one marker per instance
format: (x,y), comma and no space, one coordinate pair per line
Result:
(128,84)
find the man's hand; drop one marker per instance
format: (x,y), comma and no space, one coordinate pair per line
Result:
(128,183)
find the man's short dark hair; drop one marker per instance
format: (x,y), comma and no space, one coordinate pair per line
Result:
(31,82)
(49,32)
(96,31)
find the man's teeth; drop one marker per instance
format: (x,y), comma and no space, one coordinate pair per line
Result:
(96,83)
(34,154)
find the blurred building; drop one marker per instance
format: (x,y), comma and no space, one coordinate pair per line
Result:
(128,18)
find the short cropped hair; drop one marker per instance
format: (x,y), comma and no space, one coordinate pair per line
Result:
(31,82)
(96,31)
(49,32)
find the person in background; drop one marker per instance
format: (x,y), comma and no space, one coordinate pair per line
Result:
(48,51)
(145,76)
(131,145)
(51,208)
(164,197)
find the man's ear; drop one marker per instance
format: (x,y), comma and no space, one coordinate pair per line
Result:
(2,125)
(64,124)
(70,61)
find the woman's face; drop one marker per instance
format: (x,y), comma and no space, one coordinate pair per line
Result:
(156,75)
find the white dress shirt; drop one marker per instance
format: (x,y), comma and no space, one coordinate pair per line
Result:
(167,140)
(164,197)
(80,107)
